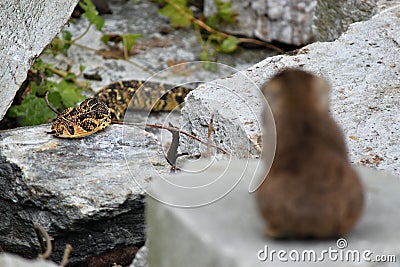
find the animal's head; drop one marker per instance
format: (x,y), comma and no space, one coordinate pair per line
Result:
(297,89)
(62,127)
(91,116)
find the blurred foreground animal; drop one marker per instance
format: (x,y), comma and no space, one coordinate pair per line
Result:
(311,190)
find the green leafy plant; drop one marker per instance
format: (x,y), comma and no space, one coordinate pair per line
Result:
(60,45)
(91,14)
(177,20)
(128,41)
(224,14)
(33,109)
(213,41)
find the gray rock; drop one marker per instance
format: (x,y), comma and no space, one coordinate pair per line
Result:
(86,192)
(11,260)
(26,28)
(333,17)
(140,259)
(236,103)
(229,230)
(364,71)
(155,51)
(295,22)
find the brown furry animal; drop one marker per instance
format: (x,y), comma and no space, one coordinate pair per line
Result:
(311,190)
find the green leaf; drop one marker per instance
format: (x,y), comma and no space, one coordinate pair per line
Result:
(40,66)
(177,19)
(34,110)
(208,64)
(66,35)
(37,66)
(129,40)
(214,37)
(70,94)
(56,45)
(61,44)
(204,56)
(55,100)
(223,14)
(91,14)
(70,76)
(229,45)
(105,38)
(224,11)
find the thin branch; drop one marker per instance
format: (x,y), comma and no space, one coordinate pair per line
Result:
(65,258)
(82,34)
(126,52)
(64,74)
(46,98)
(222,34)
(41,232)
(170,129)
(261,43)
(209,132)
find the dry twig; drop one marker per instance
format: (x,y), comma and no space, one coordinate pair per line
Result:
(222,34)
(65,258)
(170,129)
(64,74)
(46,98)
(41,232)
(210,130)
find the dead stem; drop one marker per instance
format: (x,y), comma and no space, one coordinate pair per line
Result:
(65,258)
(41,232)
(170,129)
(209,132)
(222,34)
(46,98)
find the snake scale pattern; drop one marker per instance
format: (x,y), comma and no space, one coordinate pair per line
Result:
(112,101)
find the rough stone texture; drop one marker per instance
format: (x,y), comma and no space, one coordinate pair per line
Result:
(160,47)
(141,258)
(229,232)
(364,71)
(236,103)
(333,17)
(86,192)
(155,52)
(10,260)
(297,22)
(26,28)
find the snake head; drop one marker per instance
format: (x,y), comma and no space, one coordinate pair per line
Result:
(63,129)
(91,116)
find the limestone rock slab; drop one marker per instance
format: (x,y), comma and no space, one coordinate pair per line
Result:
(364,71)
(298,22)
(229,231)
(26,28)
(10,260)
(86,192)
